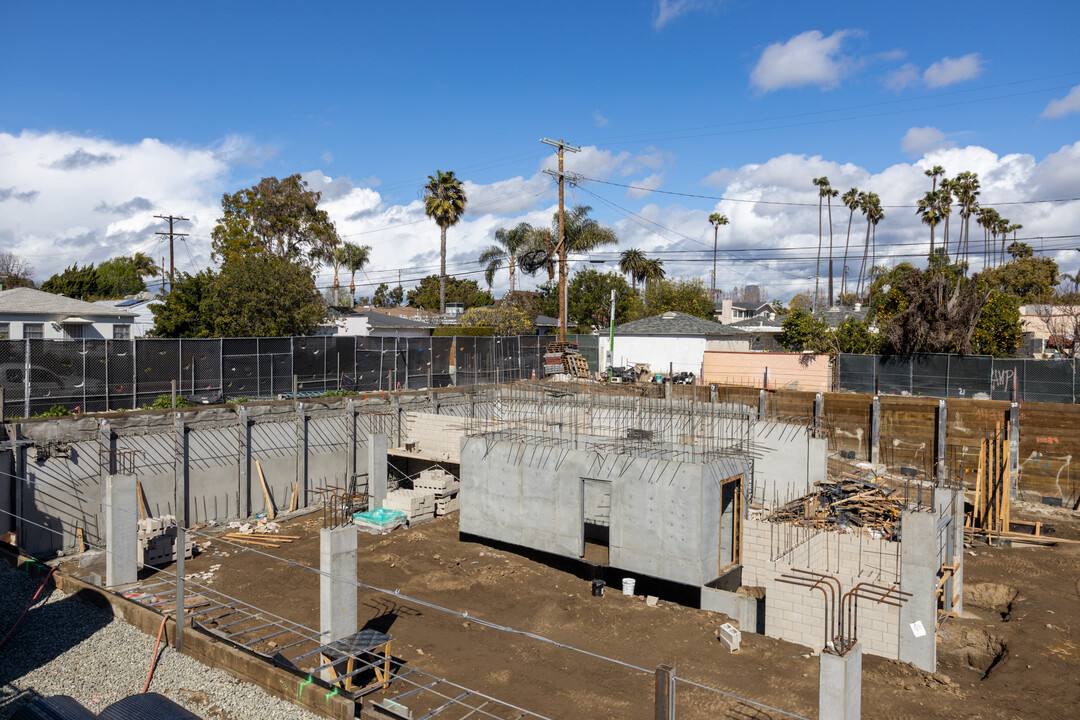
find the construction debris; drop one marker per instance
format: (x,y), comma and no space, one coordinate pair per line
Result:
(444,485)
(157,541)
(847,501)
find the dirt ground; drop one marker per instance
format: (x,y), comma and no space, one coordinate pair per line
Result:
(1015,654)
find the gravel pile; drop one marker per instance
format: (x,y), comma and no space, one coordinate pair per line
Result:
(66,646)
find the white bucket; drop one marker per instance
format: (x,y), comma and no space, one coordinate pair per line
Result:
(628,586)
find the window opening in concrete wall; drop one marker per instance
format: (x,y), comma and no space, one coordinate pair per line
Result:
(730,523)
(596,521)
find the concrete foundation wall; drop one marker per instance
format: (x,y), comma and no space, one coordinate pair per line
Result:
(788,460)
(211,458)
(664,514)
(797,614)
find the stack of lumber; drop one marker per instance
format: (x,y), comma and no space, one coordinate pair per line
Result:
(444,485)
(846,501)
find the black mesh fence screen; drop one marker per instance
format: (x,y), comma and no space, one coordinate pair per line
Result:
(858,373)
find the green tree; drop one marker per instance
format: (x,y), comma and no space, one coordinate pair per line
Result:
(180,314)
(264,296)
(502,319)
(509,245)
(428,293)
(716,220)
(396,296)
(381,297)
(145,265)
(686,296)
(583,234)
(856,337)
(76,282)
(118,277)
(998,330)
(801,331)
(632,263)
(354,258)
(444,202)
(589,298)
(275,217)
(1027,278)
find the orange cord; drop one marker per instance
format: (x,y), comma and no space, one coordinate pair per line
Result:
(32,601)
(153,658)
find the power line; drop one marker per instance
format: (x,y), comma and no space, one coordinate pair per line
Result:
(171,235)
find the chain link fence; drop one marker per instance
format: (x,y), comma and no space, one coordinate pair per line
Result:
(101,375)
(960,376)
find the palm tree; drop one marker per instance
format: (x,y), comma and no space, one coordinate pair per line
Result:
(511,245)
(928,209)
(934,173)
(830,193)
(822,186)
(717,220)
(145,265)
(653,271)
(966,188)
(353,258)
(444,202)
(851,202)
(581,234)
(870,206)
(632,263)
(945,199)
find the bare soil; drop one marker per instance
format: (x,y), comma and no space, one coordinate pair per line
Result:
(1018,657)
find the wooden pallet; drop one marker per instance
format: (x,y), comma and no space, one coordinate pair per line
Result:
(576,365)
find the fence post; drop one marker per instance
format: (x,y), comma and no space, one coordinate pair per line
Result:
(221,367)
(243,457)
(134,374)
(665,693)
(26,382)
(875,430)
(180,469)
(172,384)
(948,374)
(939,452)
(1014,449)
(106,375)
(181,542)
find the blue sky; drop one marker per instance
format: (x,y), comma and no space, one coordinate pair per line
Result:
(111,113)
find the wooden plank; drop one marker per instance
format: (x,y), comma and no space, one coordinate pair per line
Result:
(168,608)
(266,492)
(295,496)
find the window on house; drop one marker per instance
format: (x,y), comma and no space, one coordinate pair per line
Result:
(121,332)
(33,331)
(73,331)
(5,331)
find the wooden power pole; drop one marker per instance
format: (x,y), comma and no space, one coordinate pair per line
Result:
(560,248)
(171,235)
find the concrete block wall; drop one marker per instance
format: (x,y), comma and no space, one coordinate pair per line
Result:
(797,614)
(438,434)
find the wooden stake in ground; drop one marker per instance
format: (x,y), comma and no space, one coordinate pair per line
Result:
(266,492)
(144,507)
(295,496)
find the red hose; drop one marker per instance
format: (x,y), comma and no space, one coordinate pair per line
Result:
(32,601)
(153,658)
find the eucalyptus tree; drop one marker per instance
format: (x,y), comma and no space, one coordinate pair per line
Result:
(444,202)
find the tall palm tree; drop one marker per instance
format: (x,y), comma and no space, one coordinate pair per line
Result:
(877,213)
(511,244)
(966,188)
(353,258)
(653,271)
(934,173)
(928,209)
(717,220)
(830,193)
(145,265)
(444,202)
(945,199)
(822,184)
(632,263)
(851,202)
(581,234)
(870,206)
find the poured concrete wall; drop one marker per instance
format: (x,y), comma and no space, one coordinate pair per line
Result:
(664,515)
(206,452)
(788,460)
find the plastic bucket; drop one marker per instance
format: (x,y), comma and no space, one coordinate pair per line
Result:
(598,588)
(628,586)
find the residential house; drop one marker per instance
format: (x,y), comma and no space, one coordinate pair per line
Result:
(672,340)
(730,311)
(369,323)
(1049,329)
(29,314)
(142,306)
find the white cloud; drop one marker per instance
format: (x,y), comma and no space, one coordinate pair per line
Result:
(948,71)
(599,119)
(903,77)
(327,157)
(809,58)
(670,10)
(1063,106)
(645,186)
(918,141)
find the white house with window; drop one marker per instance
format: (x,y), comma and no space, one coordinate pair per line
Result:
(28,314)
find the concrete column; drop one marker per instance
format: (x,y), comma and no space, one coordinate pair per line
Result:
(875,430)
(376,469)
(761,405)
(918,576)
(243,455)
(1014,449)
(18,469)
(840,685)
(939,449)
(180,468)
(301,455)
(121,530)
(712,393)
(337,594)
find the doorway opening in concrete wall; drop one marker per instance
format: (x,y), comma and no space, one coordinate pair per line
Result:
(596,521)
(730,523)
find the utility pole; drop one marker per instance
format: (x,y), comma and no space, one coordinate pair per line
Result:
(171,235)
(561,247)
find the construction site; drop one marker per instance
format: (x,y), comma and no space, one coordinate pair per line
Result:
(559,549)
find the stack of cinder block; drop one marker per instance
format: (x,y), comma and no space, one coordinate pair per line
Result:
(418,505)
(157,541)
(444,485)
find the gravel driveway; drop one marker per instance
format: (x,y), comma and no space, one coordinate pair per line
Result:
(66,646)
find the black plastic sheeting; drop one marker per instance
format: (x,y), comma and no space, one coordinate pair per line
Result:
(134,707)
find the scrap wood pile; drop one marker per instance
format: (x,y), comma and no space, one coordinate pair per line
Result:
(847,501)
